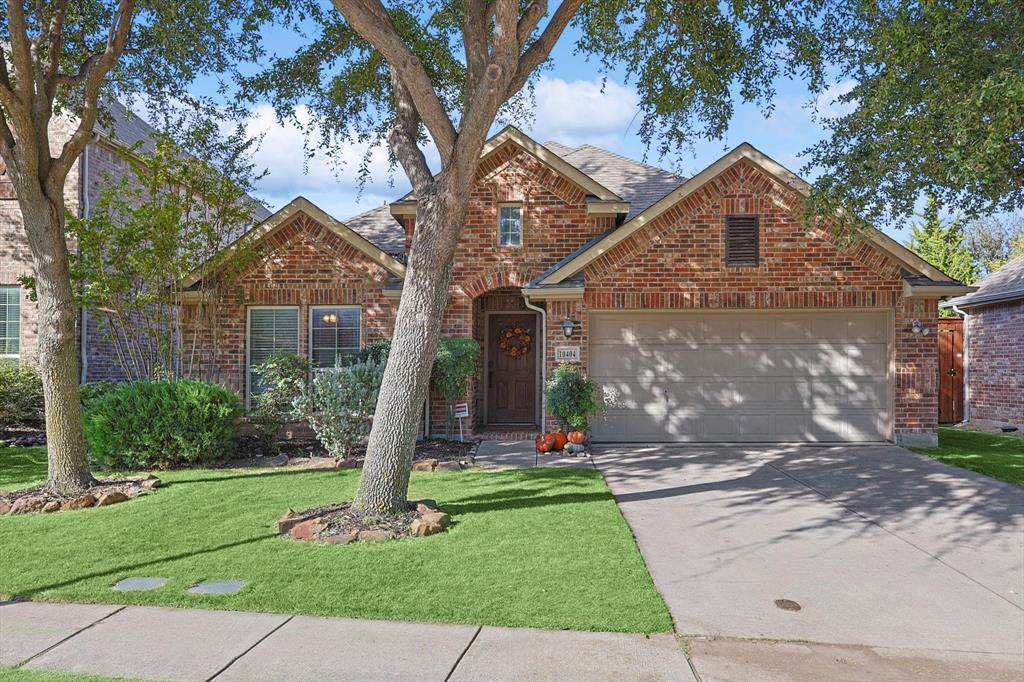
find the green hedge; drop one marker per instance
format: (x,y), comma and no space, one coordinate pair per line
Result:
(162,423)
(21,395)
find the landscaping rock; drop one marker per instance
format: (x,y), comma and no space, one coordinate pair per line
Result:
(150,482)
(51,506)
(423,506)
(322,463)
(82,502)
(424,465)
(423,527)
(375,535)
(24,505)
(437,517)
(113,497)
(451,465)
(5,506)
(306,530)
(342,539)
(348,463)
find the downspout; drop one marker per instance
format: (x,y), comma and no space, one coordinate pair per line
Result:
(967,366)
(543,353)
(84,204)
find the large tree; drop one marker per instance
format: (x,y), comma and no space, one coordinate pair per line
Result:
(934,104)
(442,72)
(941,243)
(58,61)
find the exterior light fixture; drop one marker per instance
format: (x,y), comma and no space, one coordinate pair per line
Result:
(330,318)
(918,328)
(567,326)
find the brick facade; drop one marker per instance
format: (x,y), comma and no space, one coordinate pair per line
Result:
(674,262)
(996,362)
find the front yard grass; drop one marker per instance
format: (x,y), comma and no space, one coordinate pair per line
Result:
(543,548)
(997,456)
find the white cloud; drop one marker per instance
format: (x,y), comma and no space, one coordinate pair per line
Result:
(826,104)
(583,111)
(331,183)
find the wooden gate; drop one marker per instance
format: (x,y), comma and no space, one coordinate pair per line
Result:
(951,370)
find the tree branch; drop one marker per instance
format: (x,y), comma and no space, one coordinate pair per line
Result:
(55,32)
(21,52)
(96,68)
(474,34)
(372,22)
(531,17)
(540,49)
(403,135)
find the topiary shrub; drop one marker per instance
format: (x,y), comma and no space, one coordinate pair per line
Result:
(339,405)
(571,397)
(147,424)
(282,377)
(456,360)
(21,395)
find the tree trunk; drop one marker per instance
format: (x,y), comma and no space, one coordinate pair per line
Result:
(69,471)
(440,214)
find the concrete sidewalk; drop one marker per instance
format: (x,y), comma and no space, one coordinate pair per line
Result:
(192,644)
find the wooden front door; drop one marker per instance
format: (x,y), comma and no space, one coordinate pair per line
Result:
(511,378)
(951,370)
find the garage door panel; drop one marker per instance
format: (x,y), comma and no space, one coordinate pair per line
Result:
(743,376)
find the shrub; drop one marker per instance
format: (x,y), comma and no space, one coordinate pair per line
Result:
(377,351)
(162,423)
(339,405)
(21,395)
(92,390)
(570,397)
(456,360)
(283,377)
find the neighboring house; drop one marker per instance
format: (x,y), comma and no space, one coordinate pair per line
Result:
(702,306)
(994,346)
(101,162)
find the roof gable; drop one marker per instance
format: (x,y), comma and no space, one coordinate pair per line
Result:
(284,216)
(597,247)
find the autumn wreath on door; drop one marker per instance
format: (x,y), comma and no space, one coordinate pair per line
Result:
(515,341)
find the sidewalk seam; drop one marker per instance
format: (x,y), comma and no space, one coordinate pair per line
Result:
(73,634)
(254,645)
(890,532)
(463,654)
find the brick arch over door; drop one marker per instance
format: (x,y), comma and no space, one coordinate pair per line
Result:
(498,278)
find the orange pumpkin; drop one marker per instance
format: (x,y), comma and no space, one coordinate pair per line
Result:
(560,439)
(545,443)
(577,437)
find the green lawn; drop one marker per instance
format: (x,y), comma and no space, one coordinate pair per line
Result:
(991,454)
(27,675)
(544,548)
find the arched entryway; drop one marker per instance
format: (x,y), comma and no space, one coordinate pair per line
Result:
(509,333)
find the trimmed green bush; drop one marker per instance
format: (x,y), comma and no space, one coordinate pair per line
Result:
(457,358)
(21,395)
(339,405)
(92,390)
(571,397)
(162,423)
(283,378)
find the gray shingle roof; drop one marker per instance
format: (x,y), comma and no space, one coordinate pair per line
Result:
(380,227)
(1006,283)
(638,183)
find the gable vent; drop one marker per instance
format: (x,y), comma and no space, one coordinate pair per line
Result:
(742,243)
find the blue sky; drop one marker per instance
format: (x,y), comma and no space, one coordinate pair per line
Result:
(572,107)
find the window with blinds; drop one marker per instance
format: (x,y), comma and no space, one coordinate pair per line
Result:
(270,330)
(334,334)
(10,321)
(742,242)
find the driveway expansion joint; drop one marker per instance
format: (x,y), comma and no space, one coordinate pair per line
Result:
(69,637)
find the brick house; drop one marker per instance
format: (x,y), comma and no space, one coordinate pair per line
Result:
(701,306)
(993,346)
(101,163)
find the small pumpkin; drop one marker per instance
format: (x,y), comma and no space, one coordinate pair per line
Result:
(577,437)
(560,439)
(545,443)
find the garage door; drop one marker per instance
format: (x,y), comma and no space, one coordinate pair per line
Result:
(754,377)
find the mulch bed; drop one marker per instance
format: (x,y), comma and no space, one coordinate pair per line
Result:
(341,524)
(22,437)
(310,454)
(103,494)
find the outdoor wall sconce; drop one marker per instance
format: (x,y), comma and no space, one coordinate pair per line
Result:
(567,326)
(918,328)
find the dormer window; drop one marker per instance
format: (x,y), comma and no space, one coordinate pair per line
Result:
(510,225)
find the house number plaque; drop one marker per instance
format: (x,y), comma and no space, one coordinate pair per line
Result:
(567,353)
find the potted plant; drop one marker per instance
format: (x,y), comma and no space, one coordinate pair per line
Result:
(571,399)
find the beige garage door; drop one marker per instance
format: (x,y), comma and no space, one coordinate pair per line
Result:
(741,376)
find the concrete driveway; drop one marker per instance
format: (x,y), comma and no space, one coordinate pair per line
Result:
(881,548)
